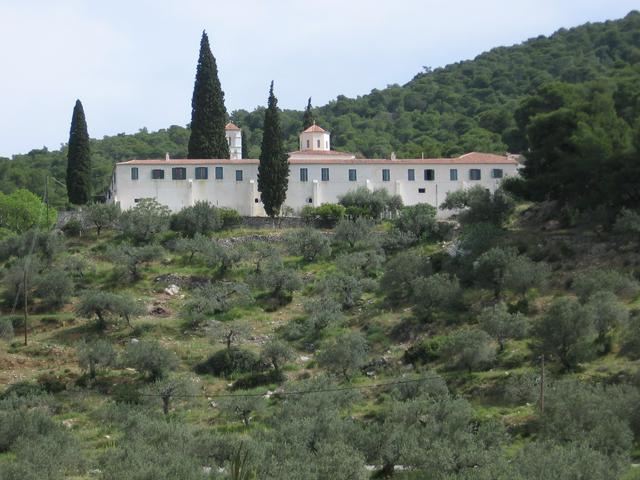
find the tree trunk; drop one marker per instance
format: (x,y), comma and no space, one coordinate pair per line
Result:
(166,401)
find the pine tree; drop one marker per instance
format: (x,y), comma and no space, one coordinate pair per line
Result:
(244,152)
(78,159)
(273,171)
(307,119)
(208,114)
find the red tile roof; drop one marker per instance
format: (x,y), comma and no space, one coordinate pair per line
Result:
(231,126)
(314,128)
(333,157)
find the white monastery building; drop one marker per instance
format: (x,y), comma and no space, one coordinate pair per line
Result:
(317,175)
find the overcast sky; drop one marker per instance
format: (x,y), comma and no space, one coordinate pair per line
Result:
(132,62)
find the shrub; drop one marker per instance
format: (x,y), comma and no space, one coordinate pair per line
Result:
(230,218)
(363,202)
(150,358)
(144,221)
(73,228)
(345,355)
(21,211)
(425,351)
(361,264)
(469,349)
(51,383)
(352,234)
(628,221)
(309,243)
(227,361)
(322,312)
(6,329)
(593,280)
(202,218)
(215,298)
(326,215)
(419,220)
(345,289)
(478,204)
(54,287)
(279,280)
(436,292)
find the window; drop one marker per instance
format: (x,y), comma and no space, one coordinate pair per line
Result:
(238,175)
(202,173)
(453,174)
(429,174)
(474,174)
(307,143)
(353,175)
(411,175)
(318,143)
(157,174)
(179,173)
(325,174)
(304,175)
(496,173)
(134,173)
(309,200)
(386,175)
(219,173)
(421,190)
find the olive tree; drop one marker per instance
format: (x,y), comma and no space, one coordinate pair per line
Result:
(468,348)
(276,353)
(309,243)
(102,215)
(170,388)
(502,325)
(565,332)
(228,332)
(345,354)
(439,291)
(200,218)
(145,220)
(128,259)
(608,313)
(102,305)
(215,298)
(150,358)
(96,355)
(399,276)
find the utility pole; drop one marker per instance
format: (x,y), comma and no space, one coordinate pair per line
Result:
(542,387)
(46,196)
(24,282)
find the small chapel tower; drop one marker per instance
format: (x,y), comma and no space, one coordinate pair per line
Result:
(234,139)
(315,138)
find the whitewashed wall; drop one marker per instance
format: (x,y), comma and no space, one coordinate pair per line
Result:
(243,196)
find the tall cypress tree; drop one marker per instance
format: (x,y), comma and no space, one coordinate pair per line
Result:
(78,159)
(208,114)
(244,149)
(273,171)
(307,119)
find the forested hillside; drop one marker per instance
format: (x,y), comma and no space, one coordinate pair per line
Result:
(465,106)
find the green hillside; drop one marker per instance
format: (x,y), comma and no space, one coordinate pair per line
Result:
(443,112)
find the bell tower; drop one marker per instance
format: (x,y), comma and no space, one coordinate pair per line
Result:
(316,139)
(234,139)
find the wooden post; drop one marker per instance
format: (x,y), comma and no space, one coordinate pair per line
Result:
(542,387)
(24,282)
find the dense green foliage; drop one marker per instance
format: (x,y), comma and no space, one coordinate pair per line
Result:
(208,113)
(79,159)
(466,106)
